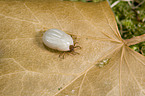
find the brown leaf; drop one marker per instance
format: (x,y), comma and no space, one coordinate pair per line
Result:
(28,68)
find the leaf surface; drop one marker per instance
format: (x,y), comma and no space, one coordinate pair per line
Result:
(28,68)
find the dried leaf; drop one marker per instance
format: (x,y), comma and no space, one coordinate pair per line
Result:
(28,68)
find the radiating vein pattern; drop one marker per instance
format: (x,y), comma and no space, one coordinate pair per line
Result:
(28,68)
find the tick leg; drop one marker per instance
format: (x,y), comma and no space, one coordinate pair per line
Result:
(75,43)
(74,53)
(78,47)
(74,37)
(61,55)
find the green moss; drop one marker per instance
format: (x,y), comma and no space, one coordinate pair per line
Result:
(140,47)
(131,18)
(86,0)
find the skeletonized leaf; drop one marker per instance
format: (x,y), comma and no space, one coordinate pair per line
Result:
(28,68)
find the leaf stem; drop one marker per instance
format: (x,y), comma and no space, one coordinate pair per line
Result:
(135,40)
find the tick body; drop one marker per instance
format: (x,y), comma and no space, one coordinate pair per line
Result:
(57,39)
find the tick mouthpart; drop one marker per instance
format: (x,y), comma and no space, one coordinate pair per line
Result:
(71,47)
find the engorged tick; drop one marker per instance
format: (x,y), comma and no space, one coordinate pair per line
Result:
(59,40)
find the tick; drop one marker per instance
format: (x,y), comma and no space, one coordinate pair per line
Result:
(59,40)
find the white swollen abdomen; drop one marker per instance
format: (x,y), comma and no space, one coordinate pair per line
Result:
(57,39)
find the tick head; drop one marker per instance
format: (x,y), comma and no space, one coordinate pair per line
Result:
(71,47)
